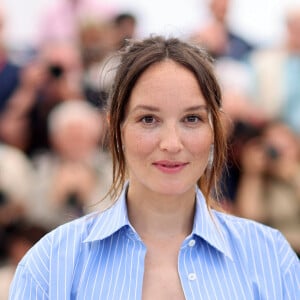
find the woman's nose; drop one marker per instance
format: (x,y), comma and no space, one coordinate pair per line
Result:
(171,139)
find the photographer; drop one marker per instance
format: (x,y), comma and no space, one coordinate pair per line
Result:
(269,188)
(52,77)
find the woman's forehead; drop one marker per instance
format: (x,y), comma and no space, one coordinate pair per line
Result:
(167,81)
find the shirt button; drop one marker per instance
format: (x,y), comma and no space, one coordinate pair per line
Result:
(192,243)
(192,276)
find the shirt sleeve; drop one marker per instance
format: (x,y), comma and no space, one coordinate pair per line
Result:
(290,266)
(25,287)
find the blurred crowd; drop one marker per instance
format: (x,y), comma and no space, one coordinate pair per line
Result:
(54,158)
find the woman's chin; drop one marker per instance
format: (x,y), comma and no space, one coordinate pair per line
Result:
(173,189)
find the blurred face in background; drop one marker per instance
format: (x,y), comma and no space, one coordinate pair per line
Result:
(219,9)
(63,65)
(293,30)
(97,40)
(77,138)
(282,145)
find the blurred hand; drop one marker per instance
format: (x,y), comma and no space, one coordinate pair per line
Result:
(283,167)
(14,131)
(10,212)
(33,76)
(72,177)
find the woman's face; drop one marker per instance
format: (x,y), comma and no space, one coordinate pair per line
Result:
(166,133)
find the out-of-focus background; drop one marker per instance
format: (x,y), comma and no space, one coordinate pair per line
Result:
(56,67)
(260,21)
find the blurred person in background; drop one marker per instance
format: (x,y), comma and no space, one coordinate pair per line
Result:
(9,71)
(99,43)
(16,184)
(62,67)
(269,188)
(16,191)
(61,21)
(15,125)
(218,39)
(276,73)
(73,176)
(125,25)
(242,118)
(18,239)
(9,81)
(98,39)
(52,77)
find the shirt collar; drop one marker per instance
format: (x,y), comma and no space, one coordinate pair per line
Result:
(206,225)
(109,221)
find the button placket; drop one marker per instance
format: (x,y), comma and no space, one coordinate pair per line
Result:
(192,276)
(187,272)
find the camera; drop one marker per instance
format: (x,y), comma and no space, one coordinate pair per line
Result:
(55,71)
(272,152)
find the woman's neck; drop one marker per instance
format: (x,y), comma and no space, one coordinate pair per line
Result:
(161,216)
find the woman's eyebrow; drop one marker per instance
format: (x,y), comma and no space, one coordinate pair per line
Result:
(197,107)
(155,109)
(146,107)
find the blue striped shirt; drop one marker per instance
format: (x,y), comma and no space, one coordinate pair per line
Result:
(101,256)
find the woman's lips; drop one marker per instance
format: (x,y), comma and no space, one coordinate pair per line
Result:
(169,167)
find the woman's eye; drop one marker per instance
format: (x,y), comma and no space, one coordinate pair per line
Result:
(148,120)
(192,119)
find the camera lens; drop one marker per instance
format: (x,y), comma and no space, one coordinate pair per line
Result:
(56,71)
(272,152)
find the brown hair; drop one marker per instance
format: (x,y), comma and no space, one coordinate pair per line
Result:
(136,57)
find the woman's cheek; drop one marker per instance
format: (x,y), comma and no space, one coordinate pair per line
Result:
(140,142)
(199,143)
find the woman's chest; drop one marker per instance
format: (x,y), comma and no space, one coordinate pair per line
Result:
(130,272)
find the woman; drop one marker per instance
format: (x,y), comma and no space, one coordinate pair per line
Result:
(161,239)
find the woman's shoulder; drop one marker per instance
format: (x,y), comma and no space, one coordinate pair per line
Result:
(72,238)
(242,230)
(65,239)
(230,220)
(57,252)
(254,242)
